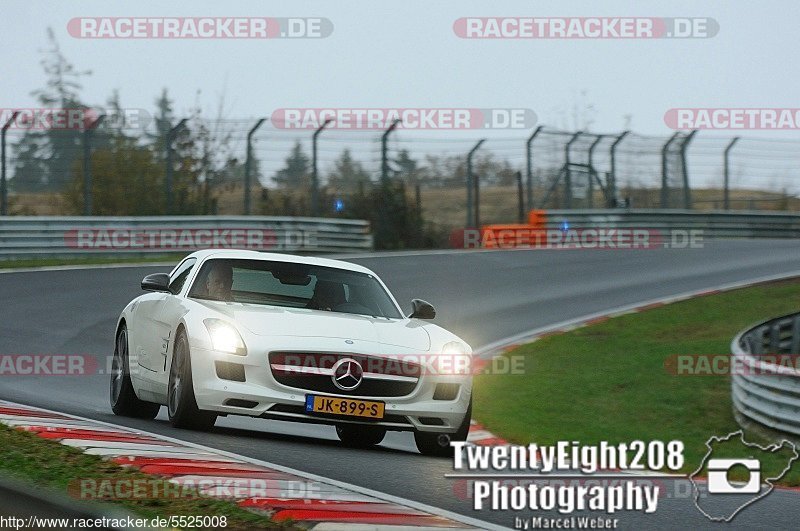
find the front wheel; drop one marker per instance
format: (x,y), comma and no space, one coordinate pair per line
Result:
(438,444)
(124,401)
(360,436)
(181,403)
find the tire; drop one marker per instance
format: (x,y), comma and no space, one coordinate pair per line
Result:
(181,403)
(438,444)
(356,436)
(124,401)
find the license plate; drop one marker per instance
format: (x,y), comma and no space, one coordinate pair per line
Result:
(344,406)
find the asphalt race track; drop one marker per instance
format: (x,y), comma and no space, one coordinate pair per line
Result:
(482,296)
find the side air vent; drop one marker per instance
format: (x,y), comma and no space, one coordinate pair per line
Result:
(446,391)
(230,371)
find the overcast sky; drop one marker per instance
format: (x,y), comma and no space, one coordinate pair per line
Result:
(406,54)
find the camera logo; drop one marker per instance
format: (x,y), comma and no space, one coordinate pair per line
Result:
(736,473)
(718,482)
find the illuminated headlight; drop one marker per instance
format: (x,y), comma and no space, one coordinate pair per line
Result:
(454,348)
(224,337)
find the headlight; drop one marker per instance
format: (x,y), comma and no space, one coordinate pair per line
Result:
(224,337)
(453,348)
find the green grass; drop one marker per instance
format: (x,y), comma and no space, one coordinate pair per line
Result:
(45,463)
(90,260)
(608,381)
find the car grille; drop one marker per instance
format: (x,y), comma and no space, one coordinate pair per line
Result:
(311,371)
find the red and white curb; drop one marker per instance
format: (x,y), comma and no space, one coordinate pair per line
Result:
(481,436)
(279,492)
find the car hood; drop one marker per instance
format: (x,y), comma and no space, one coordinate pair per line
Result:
(301,322)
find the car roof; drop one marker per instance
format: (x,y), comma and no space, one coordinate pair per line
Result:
(243,254)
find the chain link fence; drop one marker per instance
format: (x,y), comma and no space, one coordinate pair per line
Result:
(447,179)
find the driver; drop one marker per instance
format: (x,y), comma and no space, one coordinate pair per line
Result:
(219,281)
(327,295)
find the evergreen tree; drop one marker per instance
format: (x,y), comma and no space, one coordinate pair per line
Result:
(348,175)
(45,158)
(297,171)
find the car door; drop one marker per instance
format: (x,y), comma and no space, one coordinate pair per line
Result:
(156,320)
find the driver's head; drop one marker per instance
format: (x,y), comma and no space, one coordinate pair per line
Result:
(219,281)
(328,294)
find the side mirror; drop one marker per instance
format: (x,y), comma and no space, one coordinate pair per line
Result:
(156,282)
(421,310)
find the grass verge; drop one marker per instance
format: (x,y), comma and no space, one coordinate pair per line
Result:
(45,463)
(608,381)
(90,260)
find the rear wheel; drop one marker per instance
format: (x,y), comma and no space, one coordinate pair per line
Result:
(124,401)
(181,403)
(360,436)
(438,444)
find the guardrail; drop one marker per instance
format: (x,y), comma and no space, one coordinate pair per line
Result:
(714,224)
(32,237)
(765,382)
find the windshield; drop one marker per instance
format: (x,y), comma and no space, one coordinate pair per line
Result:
(293,286)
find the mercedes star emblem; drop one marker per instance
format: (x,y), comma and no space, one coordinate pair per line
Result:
(347,374)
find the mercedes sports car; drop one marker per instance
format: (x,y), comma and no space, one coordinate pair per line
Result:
(289,338)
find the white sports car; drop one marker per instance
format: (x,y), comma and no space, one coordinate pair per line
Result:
(289,338)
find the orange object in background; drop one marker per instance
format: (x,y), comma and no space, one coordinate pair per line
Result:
(508,236)
(537,218)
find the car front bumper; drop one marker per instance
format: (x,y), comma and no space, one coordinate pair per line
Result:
(417,411)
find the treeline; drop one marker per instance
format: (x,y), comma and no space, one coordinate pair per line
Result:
(129,167)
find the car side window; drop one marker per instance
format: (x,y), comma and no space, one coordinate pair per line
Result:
(180,275)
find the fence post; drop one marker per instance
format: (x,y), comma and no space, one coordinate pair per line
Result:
(726,197)
(471,184)
(592,173)
(664,151)
(568,171)
(385,152)
(314,174)
(248,166)
(171,134)
(612,178)
(520,199)
(87,164)
(418,230)
(687,192)
(3,180)
(529,165)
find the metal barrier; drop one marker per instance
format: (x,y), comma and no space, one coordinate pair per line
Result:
(32,237)
(714,224)
(765,382)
